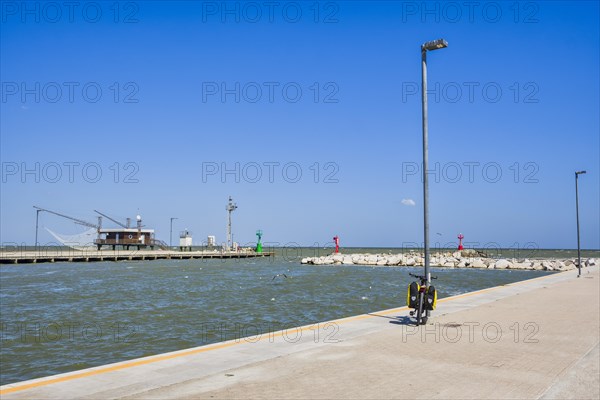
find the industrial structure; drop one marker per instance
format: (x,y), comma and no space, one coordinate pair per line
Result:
(185,240)
(211,241)
(125,236)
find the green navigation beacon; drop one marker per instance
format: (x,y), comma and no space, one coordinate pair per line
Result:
(259,244)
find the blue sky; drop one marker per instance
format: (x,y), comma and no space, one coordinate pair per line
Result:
(171,94)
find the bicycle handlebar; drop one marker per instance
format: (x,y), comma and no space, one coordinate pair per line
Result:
(422,277)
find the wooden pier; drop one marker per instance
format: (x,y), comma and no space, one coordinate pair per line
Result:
(61,255)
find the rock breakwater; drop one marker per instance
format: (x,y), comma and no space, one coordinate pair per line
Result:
(459,259)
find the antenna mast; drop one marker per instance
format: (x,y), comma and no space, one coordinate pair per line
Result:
(231,206)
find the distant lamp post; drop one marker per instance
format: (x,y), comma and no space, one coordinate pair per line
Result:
(428,46)
(171,232)
(577,213)
(37,217)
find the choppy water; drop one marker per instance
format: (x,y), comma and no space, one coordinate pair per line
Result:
(62,317)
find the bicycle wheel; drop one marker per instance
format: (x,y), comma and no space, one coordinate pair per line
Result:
(420,308)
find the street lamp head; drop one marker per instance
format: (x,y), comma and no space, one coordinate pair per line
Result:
(434,45)
(580,172)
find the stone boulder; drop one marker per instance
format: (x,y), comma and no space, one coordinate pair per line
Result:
(590,262)
(337,258)
(469,253)
(371,259)
(357,259)
(559,265)
(448,264)
(521,265)
(547,265)
(393,260)
(347,260)
(503,264)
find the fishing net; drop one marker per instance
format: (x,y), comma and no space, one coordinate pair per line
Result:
(81,241)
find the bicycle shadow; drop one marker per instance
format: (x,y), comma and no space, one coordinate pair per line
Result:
(397,320)
(403,320)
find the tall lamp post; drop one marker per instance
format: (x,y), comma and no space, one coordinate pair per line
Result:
(230,207)
(425,47)
(577,213)
(171,232)
(37,217)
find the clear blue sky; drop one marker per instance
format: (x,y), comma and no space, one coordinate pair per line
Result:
(516,93)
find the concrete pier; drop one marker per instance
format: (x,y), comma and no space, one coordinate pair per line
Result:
(532,339)
(55,255)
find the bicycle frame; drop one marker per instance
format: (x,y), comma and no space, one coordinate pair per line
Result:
(423,288)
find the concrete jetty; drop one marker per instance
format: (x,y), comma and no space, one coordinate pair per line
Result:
(531,339)
(70,255)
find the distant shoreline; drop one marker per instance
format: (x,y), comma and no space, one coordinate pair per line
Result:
(296,251)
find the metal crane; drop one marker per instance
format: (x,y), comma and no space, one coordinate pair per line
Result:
(113,220)
(77,221)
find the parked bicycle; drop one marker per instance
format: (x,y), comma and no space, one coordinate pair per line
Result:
(422,298)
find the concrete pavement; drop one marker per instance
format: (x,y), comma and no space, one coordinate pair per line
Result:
(531,339)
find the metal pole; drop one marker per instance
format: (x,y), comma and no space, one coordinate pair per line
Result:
(231,206)
(229,235)
(171,232)
(577,213)
(425,164)
(37,216)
